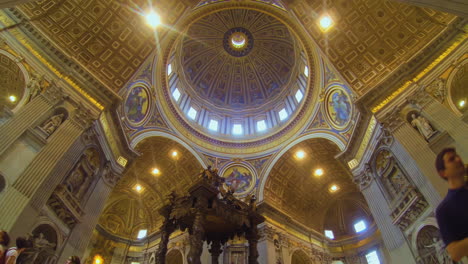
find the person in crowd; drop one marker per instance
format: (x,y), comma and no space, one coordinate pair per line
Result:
(4,241)
(73,260)
(452,213)
(13,253)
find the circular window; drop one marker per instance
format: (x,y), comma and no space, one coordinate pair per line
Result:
(238,41)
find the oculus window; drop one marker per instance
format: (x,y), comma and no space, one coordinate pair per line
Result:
(237,129)
(169,69)
(192,113)
(283,114)
(213,125)
(372,257)
(299,96)
(142,233)
(329,234)
(176,94)
(360,226)
(261,125)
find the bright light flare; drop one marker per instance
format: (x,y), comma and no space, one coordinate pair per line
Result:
(98,260)
(153,19)
(334,188)
(462,103)
(155,171)
(174,154)
(300,154)
(326,22)
(138,188)
(12,98)
(318,172)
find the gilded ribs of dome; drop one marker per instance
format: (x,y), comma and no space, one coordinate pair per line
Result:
(218,78)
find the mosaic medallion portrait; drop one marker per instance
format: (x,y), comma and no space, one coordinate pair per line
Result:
(338,107)
(240,179)
(136,105)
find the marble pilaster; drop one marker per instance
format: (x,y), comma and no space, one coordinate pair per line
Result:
(22,192)
(82,232)
(28,115)
(419,152)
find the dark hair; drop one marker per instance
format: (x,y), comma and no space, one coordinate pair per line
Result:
(4,238)
(22,242)
(439,162)
(74,259)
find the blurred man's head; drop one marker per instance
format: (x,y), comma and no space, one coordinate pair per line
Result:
(449,164)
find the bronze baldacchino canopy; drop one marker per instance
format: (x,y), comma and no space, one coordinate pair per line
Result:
(209,213)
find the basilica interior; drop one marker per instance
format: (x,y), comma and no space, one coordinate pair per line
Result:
(325,116)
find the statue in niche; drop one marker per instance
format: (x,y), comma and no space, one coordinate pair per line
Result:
(52,123)
(35,86)
(93,158)
(438,89)
(382,161)
(440,252)
(423,126)
(74,181)
(40,242)
(398,181)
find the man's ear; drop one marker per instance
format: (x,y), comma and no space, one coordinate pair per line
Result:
(442,174)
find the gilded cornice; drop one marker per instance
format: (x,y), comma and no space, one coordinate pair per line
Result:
(418,67)
(54,60)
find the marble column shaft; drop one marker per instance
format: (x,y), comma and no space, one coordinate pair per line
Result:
(83,231)
(391,234)
(22,120)
(420,181)
(448,121)
(19,194)
(423,156)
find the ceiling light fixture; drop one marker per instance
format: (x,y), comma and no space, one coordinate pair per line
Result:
(153,19)
(98,259)
(334,188)
(155,171)
(461,103)
(325,23)
(138,188)
(174,154)
(318,172)
(300,154)
(12,98)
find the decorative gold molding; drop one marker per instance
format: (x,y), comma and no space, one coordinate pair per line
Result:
(365,142)
(418,77)
(22,39)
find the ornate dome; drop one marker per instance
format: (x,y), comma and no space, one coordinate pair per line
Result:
(238,74)
(238,59)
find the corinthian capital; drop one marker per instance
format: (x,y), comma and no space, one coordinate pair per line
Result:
(110,177)
(54,94)
(420,98)
(364,179)
(83,117)
(393,120)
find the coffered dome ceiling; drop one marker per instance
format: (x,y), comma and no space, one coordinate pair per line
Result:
(238,59)
(238,67)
